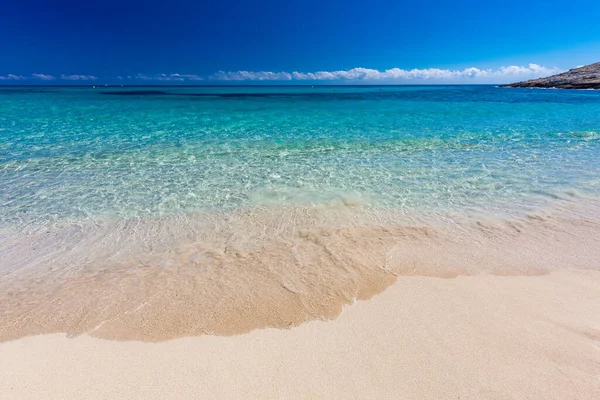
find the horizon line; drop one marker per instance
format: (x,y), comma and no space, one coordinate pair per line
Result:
(99,86)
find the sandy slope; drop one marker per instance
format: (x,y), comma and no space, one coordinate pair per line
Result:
(478,337)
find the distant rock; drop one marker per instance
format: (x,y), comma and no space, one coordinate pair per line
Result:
(587,77)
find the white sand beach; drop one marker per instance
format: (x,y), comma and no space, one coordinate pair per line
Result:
(470,337)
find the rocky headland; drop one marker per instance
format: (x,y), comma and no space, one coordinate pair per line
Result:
(587,77)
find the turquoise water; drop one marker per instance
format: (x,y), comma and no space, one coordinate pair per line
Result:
(85,154)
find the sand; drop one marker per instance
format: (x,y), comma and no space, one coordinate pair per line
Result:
(469,337)
(263,267)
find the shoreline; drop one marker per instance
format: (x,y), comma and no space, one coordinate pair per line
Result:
(271,268)
(481,337)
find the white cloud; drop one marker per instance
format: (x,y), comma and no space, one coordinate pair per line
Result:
(190,77)
(78,77)
(43,77)
(355,75)
(252,76)
(473,75)
(11,77)
(532,69)
(168,77)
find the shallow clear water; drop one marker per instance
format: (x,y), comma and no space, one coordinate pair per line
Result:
(84,153)
(154,213)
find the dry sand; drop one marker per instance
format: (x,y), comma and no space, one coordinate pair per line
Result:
(470,337)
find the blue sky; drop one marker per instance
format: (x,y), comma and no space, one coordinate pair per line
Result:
(329,41)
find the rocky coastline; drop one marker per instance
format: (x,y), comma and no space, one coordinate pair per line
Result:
(587,77)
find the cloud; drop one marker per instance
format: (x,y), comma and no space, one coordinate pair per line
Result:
(395,75)
(46,77)
(355,75)
(189,77)
(168,77)
(11,77)
(43,77)
(252,76)
(78,77)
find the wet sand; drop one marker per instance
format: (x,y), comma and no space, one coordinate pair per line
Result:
(264,267)
(469,337)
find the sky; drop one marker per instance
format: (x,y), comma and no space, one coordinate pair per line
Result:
(314,41)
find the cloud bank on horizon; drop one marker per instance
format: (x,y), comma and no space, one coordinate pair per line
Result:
(165,77)
(396,74)
(354,75)
(45,77)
